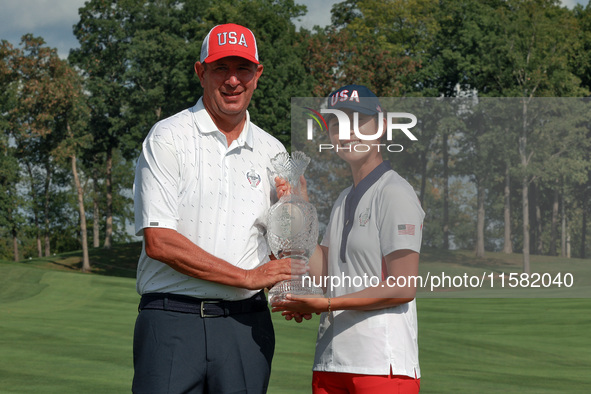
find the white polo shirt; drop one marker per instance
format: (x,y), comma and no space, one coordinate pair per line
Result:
(189,180)
(385,216)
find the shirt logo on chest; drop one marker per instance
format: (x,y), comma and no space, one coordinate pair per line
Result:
(253,178)
(364,217)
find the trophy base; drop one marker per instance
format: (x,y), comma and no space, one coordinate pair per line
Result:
(293,286)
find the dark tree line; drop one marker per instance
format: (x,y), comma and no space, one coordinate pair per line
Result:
(71,129)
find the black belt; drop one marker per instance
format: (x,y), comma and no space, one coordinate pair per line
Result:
(203,307)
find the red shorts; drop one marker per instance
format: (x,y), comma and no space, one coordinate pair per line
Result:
(351,383)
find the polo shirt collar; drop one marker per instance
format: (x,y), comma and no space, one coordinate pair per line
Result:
(354,197)
(206,125)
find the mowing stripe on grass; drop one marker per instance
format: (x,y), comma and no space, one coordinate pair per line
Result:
(65,332)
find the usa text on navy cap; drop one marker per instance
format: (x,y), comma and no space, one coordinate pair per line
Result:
(355,97)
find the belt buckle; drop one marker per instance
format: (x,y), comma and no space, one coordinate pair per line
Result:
(203,314)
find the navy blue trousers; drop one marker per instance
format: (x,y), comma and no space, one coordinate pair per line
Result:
(177,352)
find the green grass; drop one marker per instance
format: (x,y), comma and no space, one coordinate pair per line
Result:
(505,345)
(66,332)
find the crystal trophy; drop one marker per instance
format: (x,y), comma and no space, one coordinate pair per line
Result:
(292,228)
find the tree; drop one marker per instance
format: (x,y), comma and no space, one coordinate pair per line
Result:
(380,44)
(71,115)
(10,218)
(537,50)
(565,165)
(580,61)
(104,35)
(31,125)
(511,48)
(47,124)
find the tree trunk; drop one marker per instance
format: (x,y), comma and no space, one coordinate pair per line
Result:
(539,242)
(567,242)
(47,186)
(584,227)
(525,205)
(14,243)
(524,190)
(96,241)
(423,158)
(35,212)
(480,222)
(554,225)
(563,235)
(109,211)
(445,194)
(83,230)
(39,245)
(508,246)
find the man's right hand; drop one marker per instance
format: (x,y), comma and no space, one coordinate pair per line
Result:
(272,272)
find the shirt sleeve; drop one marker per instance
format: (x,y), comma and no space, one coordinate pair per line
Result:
(400,219)
(156,185)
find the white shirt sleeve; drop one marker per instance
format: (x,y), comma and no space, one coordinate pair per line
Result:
(400,219)
(156,185)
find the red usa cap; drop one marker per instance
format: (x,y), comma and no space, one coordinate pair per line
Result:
(229,40)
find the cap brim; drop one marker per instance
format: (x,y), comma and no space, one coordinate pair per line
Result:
(218,56)
(356,108)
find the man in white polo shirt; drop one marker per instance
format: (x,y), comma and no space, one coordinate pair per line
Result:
(202,190)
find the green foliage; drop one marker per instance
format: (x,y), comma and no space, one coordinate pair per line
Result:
(336,58)
(10,217)
(580,62)
(136,62)
(44,118)
(138,57)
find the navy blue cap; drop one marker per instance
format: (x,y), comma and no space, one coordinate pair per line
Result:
(355,97)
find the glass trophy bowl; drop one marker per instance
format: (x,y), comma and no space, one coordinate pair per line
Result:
(292,225)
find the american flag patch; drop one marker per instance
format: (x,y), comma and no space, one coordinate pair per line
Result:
(406,229)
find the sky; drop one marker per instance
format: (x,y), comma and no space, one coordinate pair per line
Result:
(54,19)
